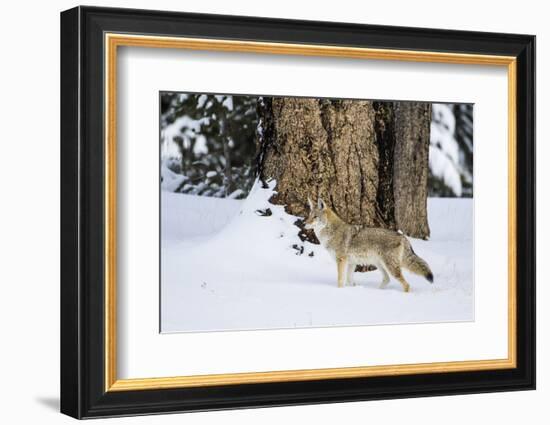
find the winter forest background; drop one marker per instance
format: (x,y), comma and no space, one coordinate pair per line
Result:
(209,146)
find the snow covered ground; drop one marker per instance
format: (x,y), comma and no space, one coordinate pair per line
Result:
(226,267)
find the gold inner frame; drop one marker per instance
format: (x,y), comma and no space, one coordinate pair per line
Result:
(113,41)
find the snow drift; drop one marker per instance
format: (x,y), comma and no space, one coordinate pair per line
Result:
(235,265)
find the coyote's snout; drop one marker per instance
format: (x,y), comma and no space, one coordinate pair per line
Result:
(353,245)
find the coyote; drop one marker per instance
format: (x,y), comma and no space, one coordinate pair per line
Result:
(351,245)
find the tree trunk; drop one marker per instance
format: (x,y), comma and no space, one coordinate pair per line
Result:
(344,152)
(410,174)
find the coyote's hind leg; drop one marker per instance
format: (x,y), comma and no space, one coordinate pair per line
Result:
(395,270)
(350,271)
(385,276)
(341,262)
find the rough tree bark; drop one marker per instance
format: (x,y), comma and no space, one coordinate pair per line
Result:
(410,174)
(353,154)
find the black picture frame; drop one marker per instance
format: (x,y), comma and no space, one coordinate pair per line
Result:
(83,392)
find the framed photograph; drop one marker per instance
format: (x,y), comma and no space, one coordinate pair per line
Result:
(261,212)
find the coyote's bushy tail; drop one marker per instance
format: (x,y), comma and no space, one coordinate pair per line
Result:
(415,264)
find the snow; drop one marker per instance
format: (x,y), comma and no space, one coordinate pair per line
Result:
(226,267)
(442,167)
(228,103)
(170,181)
(444,149)
(201,101)
(191,129)
(235,194)
(442,113)
(190,216)
(445,141)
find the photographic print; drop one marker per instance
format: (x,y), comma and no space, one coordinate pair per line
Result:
(294,212)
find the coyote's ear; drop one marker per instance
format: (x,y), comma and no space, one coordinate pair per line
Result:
(311,206)
(321,204)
